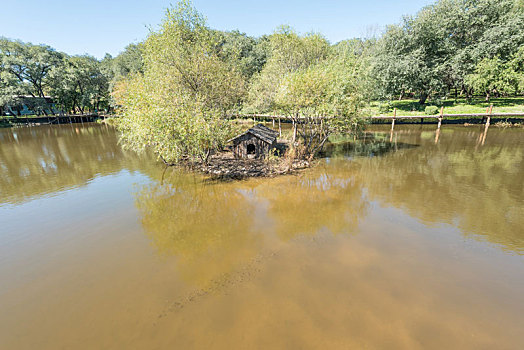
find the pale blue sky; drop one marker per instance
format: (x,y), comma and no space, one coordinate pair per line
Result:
(99,26)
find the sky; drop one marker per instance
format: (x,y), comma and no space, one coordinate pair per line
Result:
(97,27)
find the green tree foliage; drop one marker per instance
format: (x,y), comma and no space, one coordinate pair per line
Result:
(432,53)
(25,69)
(288,52)
(321,100)
(245,54)
(79,85)
(177,107)
(129,61)
(493,76)
(516,67)
(312,83)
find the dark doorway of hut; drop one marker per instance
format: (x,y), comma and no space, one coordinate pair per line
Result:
(251,150)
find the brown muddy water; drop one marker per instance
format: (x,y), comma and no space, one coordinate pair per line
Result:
(408,244)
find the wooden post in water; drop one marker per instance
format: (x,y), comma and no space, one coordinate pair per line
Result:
(489,111)
(392,125)
(295,127)
(393,120)
(279,128)
(440,117)
(437,135)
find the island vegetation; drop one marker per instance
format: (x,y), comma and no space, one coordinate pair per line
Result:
(178,91)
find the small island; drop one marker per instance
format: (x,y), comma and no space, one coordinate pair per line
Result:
(257,152)
(182,105)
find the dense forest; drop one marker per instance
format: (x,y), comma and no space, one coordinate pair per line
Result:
(201,75)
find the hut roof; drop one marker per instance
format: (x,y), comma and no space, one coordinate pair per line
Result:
(260,131)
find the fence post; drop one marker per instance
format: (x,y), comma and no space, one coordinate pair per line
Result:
(489,111)
(488,120)
(437,134)
(392,125)
(440,118)
(393,120)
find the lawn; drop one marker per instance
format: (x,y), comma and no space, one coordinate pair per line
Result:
(451,106)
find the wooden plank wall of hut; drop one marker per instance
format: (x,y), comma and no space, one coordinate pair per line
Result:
(240,147)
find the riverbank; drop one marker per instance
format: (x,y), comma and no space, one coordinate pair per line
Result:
(451,106)
(34,120)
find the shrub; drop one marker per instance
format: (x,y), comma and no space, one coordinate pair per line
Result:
(431,110)
(385,107)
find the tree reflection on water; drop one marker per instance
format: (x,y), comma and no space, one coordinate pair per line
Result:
(214,227)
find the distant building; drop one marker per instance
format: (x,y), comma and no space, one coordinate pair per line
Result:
(255,143)
(29,105)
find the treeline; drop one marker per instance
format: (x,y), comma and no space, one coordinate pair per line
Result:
(76,84)
(177,89)
(451,48)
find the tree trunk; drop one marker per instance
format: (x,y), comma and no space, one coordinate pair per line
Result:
(206,157)
(487,96)
(294,133)
(423,98)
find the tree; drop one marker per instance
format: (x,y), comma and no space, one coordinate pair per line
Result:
(516,66)
(25,69)
(492,76)
(288,52)
(321,100)
(431,54)
(245,54)
(129,61)
(177,106)
(79,85)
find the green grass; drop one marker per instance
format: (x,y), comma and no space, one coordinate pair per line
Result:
(451,106)
(25,116)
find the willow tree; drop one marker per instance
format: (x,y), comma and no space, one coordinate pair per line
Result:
(177,106)
(322,100)
(288,53)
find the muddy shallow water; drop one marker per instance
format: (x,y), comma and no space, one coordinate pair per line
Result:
(401,244)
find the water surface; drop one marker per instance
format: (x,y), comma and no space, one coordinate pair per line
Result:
(401,244)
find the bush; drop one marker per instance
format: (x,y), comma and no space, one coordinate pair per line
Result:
(431,110)
(385,107)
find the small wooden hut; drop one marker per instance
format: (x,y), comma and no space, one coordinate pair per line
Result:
(255,143)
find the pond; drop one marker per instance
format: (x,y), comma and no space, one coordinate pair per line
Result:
(405,243)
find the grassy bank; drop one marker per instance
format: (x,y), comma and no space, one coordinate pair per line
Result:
(451,106)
